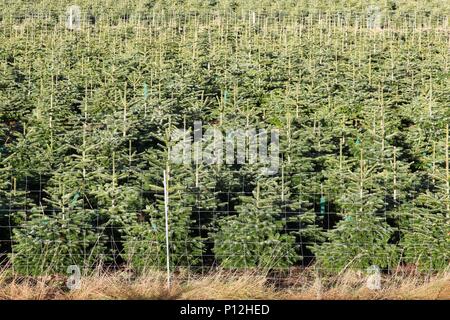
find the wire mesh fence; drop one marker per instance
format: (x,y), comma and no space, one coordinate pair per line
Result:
(194,248)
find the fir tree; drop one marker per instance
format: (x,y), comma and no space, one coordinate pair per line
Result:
(425,223)
(362,238)
(256,236)
(145,238)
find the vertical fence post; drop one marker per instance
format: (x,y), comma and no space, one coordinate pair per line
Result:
(166,213)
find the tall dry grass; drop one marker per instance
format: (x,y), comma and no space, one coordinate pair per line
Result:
(305,284)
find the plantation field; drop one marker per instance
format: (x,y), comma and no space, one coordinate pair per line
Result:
(357,91)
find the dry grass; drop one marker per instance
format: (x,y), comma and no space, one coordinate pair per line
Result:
(226,285)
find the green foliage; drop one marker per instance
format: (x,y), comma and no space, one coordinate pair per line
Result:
(425,223)
(49,244)
(425,241)
(86,115)
(254,237)
(145,245)
(359,241)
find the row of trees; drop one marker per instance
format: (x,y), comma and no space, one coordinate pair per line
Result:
(87,116)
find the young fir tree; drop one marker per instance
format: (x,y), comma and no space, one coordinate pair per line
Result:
(425,223)
(145,243)
(256,236)
(300,185)
(61,229)
(362,238)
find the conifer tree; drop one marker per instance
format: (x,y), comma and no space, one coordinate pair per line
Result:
(256,236)
(425,223)
(362,238)
(145,238)
(61,230)
(300,185)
